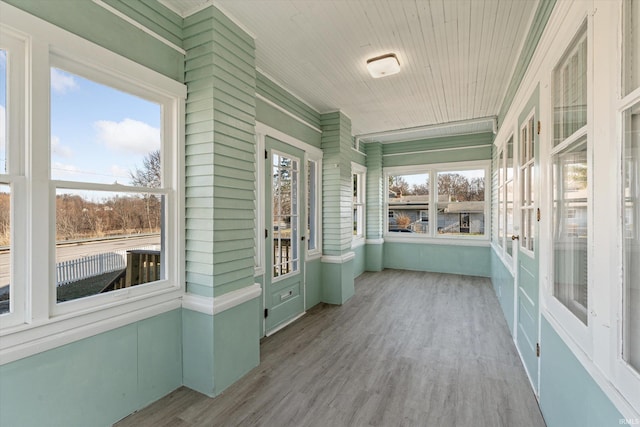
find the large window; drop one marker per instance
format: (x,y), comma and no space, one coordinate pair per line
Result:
(570,179)
(436,200)
(313,211)
(92,231)
(107,167)
(358,179)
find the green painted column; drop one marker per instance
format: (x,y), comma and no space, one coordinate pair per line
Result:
(337,222)
(375,208)
(220,201)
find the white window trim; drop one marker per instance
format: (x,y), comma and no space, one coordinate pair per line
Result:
(16,44)
(316,252)
(501,250)
(45,326)
(520,180)
(581,334)
(360,170)
(432,170)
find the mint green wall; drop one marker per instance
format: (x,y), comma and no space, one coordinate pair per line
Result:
(568,394)
(313,277)
(540,19)
(374,257)
(237,343)
(275,93)
(503,286)
(95,381)
(271,116)
(197,351)
(337,282)
(96,24)
(360,260)
(220,154)
(467,260)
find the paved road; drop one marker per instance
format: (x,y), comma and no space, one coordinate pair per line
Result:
(79,250)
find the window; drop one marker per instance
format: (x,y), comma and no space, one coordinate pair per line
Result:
(408,203)
(527,184)
(313,212)
(102,199)
(570,180)
(505,198)
(358,175)
(107,167)
(461,206)
(631,237)
(458,194)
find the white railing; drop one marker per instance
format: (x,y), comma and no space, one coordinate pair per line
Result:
(93,265)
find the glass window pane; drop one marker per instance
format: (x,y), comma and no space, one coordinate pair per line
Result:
(631,33)
(510,159)
(3,111)
(311,205)
(509,217)
(461,202)
(408,197)
(570,228)
(570,89)
(107,241)
(5,249)
(631,260)
(285,215)
(102,135)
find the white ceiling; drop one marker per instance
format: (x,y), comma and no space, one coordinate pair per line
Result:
(456,56)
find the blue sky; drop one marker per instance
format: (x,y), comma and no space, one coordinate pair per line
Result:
(98,134)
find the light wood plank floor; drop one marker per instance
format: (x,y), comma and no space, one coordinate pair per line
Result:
(409,349)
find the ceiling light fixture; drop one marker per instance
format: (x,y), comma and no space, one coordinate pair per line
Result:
(383,65)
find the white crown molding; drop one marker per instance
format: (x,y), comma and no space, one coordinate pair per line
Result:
(288,113)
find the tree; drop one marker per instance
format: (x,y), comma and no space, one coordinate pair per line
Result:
(150,175)
(398,185)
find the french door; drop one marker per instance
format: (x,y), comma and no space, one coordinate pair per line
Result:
(284,246)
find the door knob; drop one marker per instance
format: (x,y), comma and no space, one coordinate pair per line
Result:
(515,237)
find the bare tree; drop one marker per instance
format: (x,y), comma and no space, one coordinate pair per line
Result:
(150,176)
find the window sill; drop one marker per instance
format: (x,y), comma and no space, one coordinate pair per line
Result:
(452,241)
(28,339)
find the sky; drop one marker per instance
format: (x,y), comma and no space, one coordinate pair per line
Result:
(98,134)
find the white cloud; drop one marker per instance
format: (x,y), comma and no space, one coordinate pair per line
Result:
(129,135)
(60,150)
(61,170)
(120,174)
(62,82)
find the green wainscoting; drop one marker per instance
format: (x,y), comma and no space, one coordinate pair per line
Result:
(503,285)
(95,381)
(237,343)
(313,280)
(569,397)
(374,257)
(458,259)
(337,282)
(197,351)
(360,260)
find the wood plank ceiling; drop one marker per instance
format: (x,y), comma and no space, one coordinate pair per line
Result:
(456,56)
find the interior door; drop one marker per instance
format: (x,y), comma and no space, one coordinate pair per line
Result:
(284,246)
(527,295)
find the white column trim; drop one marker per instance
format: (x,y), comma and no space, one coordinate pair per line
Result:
(215,305)
(338,259)
(374,241)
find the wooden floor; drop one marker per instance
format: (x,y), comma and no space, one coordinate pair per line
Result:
(409,349)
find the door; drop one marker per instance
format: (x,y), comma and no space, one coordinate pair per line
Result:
(527,295)
(284,246)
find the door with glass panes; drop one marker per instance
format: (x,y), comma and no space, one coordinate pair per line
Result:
(527,284)
(284,246)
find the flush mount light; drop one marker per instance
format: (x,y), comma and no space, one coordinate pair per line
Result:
(383,65)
